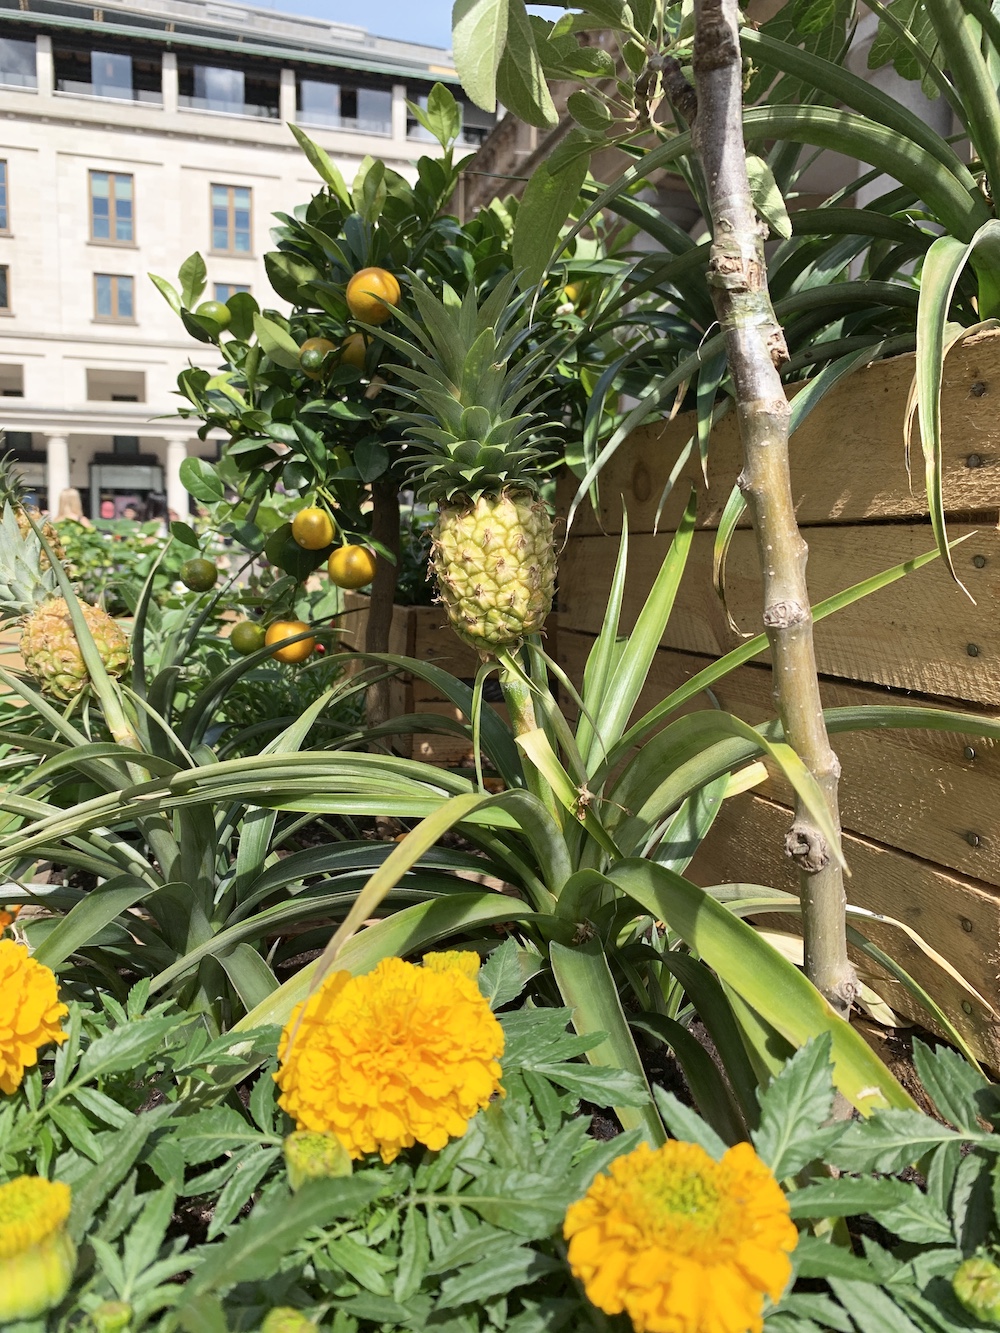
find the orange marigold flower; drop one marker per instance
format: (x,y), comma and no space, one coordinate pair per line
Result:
(30,1012)
(682,1243)
(400,1056)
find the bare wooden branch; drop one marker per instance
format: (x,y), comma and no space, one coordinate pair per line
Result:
(755,347)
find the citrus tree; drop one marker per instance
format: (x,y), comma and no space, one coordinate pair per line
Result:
(305,400)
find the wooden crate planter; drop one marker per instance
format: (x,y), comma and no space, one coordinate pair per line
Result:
(422,632)
(921,809)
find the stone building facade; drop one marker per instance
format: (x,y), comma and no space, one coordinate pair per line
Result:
(131,135)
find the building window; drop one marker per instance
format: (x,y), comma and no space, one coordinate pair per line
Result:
(114,297)
(111,74)
(130,76)
(230,91)
(111,207)
(231,219)
(344,107)
(224,290)
(218,89)
(127,445)
(4,205)
(319,103)
(17,63)
(5,288)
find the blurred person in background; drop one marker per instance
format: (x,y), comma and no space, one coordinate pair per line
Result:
(71,506)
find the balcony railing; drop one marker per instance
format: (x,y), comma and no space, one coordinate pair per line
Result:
(12,78)
(77,88)
(228,108)
(328,120)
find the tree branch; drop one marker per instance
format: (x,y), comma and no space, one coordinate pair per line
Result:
(755,347)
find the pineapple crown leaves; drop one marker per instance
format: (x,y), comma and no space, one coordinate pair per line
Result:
(23,583)
(11,481)
(476,432)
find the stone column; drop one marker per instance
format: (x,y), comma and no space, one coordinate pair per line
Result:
(44,68)
(177,496)
(56,468)
(288,108)
(399,112)
(168,81)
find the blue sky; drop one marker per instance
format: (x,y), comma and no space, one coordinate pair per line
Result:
(411,20)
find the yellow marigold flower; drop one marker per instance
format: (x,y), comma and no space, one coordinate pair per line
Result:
(461,960)
(403,1055)
(30,1012)
(37,1257)
(682,1243)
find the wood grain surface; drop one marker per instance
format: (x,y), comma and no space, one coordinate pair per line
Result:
(848,461)
(956,916)
(933,794)
(921,633)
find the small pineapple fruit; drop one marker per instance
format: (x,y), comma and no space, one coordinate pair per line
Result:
(478,455)
(29,591)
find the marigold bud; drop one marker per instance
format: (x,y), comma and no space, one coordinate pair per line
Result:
(111,1317)
(315,1155)
(976,1284)
(458,960)
(285,1319)
(37,1256)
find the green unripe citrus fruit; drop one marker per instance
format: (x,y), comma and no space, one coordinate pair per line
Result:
(313,354)
(216,311)
(247,637)
(199,574)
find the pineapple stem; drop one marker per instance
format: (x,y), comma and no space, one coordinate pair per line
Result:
(385,529)
(521,710)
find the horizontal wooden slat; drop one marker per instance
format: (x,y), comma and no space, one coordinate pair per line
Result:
(921,633)
(847,458)
(915,790)
(954,916)
(445,749)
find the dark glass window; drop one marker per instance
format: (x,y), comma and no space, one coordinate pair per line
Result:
(4,209)
(229,90)
(133,76)
(4,287)
(111,74)
(343,106)
(319,103)
(17,63)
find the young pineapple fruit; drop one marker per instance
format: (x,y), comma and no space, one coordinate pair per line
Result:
(29,591)
(478,456)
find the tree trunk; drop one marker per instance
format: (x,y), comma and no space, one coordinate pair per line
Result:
(755,347)
(385,529)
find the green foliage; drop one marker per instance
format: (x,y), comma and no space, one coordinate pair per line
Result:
(472,1229)
(108,557)
(183,1213)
